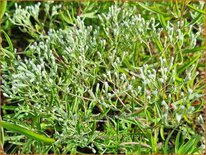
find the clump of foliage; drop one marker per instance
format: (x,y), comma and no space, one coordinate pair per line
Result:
(106,78)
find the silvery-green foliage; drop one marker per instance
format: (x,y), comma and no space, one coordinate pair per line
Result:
(22,17)
(124,27)
(68,71)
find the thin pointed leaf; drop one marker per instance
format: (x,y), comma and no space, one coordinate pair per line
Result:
(151,9)
(11,48)
(177,142)
(193,50)
(189,146)
(3,4)
(196,9)
(187,64)
(166,147)
(26,132)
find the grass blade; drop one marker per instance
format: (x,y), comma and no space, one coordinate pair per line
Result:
(177,142)
(162,20)
(3,4)
(1,137)
(7,54)
(193,50)
(162,132)
(159,45)
(26,132)
(166,147)
(187,64)
(198,10)
(151,9)
(189,146)
(11,48)
(199,16)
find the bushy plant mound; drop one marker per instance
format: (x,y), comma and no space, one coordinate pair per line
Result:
(112,78)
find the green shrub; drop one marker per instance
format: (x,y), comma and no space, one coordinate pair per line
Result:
(119,78)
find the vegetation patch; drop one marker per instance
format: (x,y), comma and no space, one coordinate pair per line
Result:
(103,77)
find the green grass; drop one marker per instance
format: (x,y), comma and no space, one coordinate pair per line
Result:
(103,77)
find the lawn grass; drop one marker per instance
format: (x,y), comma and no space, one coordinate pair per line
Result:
(103,77)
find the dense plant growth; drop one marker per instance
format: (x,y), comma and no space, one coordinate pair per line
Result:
(103,77)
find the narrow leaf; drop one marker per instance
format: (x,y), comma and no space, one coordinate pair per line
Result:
(159,45)
(166,147)
(162,132)
(196,9)
(189,146)
(11,48)
(3,4)
(177,142)
(151,9)
(26,132)
(193,50)
(187,64)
